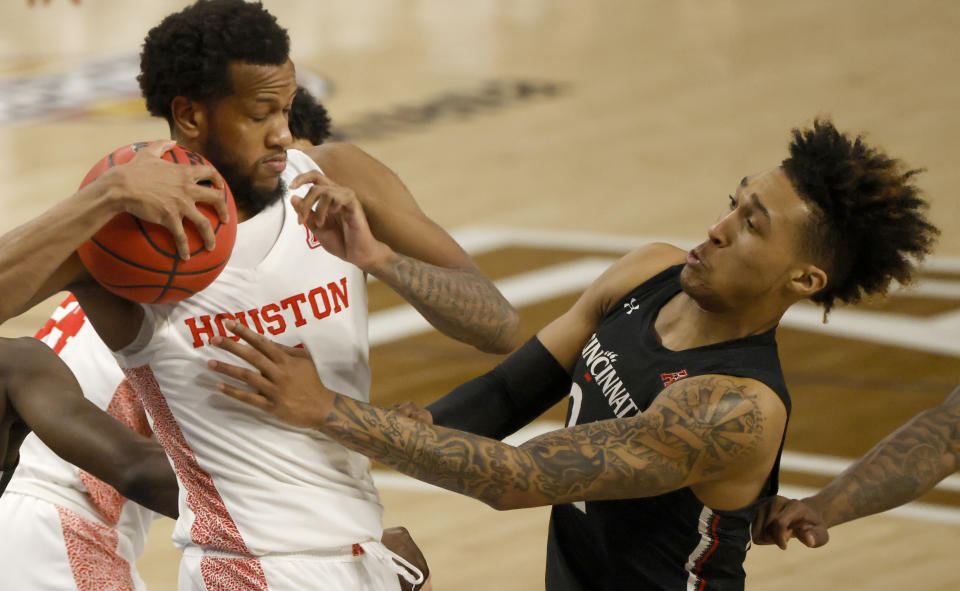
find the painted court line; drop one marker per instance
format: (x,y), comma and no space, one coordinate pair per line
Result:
(385,480)
(924,334)
(938,334)
(479,239)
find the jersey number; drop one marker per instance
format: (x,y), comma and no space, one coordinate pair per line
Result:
(66,322)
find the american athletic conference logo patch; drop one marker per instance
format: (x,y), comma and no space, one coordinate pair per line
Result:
(673,376)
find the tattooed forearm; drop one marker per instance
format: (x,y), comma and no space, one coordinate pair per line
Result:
(461,303)
(908,463)
(697,429)
(460,462)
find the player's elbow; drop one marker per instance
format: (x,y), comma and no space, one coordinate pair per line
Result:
(512,500)
(136,481)
(498,504)
(147,479)
(508,338)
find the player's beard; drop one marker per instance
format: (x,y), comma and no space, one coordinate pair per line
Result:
(250,199)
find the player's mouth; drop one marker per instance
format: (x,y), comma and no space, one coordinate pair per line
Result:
(694,258)
(277,163)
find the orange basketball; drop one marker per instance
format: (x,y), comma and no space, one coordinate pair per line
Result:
(138,260)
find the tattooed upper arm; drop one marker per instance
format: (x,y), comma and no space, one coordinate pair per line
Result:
(700,429)
(718,423)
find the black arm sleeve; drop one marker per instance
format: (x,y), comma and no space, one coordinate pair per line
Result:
(502,401)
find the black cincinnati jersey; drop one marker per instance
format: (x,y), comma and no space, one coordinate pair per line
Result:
(670,542)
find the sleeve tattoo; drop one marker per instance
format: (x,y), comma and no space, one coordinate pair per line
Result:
(696,429)
(908,463)
(461,303)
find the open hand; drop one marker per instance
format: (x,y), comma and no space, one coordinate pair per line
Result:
(284,382)
(335,216)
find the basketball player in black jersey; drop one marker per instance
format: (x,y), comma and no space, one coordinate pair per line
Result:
(677,401)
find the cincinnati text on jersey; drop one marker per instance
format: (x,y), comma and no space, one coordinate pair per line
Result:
(600,369)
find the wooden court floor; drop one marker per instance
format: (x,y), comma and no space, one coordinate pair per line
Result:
(552,136)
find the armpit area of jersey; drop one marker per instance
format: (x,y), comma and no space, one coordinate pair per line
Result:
(6,475)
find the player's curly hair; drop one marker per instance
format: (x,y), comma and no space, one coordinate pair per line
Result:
(308,118)
(868,225)
(187,54)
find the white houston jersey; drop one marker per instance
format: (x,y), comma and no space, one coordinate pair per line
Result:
(250,484)
(42,473)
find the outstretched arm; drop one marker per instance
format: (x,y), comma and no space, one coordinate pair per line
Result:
(46,396)
(37,259)
(903,466)
(701,429)
(537,375)
(413,255)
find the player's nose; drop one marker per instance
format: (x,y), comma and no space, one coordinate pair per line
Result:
(717,233)
(280,136)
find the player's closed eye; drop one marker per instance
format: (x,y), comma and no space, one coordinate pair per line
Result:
(733,205)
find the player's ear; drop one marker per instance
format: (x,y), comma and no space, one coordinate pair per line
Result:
(189,117)
(807,280)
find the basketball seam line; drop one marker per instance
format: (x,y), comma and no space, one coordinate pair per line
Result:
(144,286)
(169,254)
(170,278)
(151,269)
(143,231)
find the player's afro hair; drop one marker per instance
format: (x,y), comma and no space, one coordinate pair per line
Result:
(868,225)
(308,118)
(187,54)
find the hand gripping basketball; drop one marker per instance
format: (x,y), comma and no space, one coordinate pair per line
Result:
(156,192)
(150,253)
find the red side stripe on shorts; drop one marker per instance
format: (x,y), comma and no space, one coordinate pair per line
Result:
(125,406)
(232,574)
(713,546)
(92,553)
(212,525)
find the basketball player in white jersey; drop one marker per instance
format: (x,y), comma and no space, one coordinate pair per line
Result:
(64,528)
(39,525)
(263,505)
(82,530)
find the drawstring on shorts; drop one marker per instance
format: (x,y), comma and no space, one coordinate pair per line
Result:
(397,563)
